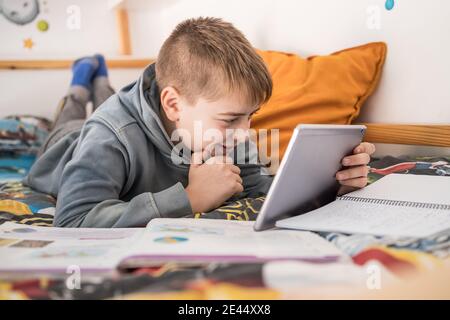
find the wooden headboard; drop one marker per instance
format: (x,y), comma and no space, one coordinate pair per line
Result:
(410,134)
(436,135)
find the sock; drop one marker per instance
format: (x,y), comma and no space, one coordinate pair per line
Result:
(83,70)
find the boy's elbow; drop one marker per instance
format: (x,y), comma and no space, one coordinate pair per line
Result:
(65,219)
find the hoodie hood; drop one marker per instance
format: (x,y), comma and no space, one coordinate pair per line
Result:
(142,100)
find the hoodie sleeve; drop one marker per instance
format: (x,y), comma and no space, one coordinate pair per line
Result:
(255,177)
(92,182)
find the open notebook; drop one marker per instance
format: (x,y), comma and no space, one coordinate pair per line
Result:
(398,205)
(57,250)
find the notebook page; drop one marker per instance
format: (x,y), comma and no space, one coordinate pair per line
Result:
(348,216)
(408,187)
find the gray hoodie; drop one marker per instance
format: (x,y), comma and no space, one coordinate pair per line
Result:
(117,170)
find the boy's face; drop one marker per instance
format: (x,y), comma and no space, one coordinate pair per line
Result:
(209,125)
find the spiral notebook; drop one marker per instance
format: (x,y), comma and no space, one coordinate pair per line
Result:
(398,205)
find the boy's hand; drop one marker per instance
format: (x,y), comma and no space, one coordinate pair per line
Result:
(355,176)
(211,183)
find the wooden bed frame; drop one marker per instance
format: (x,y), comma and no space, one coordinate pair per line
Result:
(437,135)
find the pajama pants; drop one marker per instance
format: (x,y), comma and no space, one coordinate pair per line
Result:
(72,111)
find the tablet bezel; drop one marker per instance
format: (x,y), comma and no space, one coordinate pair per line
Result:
(338,141)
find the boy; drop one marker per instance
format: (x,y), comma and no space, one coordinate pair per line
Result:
(118,169)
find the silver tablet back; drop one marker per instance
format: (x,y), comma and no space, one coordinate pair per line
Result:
(306,177)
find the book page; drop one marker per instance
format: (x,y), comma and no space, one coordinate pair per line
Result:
(218,240)
(26,248)
(22,231)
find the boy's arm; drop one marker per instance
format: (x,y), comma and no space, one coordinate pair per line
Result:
(93,180)
(256,180)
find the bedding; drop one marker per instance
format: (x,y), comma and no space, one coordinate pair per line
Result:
(20,204)
(20,140)
(23,205)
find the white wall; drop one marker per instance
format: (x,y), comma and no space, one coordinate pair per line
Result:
(38,92)
(65,37)
(415,86)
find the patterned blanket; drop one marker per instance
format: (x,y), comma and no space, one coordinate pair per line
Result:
(20,138)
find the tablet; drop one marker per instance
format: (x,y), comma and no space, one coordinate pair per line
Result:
(306,178)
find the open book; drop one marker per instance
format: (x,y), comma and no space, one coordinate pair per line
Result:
(398,205)
(57,250)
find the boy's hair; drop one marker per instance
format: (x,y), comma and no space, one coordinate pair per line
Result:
(210,58)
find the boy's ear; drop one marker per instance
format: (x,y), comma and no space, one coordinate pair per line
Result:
(170,101)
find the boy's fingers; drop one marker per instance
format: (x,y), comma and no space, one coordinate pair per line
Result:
(345,189)
(238,188)
(235,169)
(356,160)
(212,160)
(365,147)
(356,182)
(219,160)
(356,172)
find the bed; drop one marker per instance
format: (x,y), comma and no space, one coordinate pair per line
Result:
(21,136)
(297,95)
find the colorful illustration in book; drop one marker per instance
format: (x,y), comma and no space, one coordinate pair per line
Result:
(170,240)
(185,229)
(22,230)
(31,244)
(71,252)
(7,242)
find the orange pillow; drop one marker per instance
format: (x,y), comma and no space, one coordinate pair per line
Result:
(318,89)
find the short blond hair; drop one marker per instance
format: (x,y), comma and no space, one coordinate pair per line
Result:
(210,58)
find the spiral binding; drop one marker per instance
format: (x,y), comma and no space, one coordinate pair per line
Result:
(397,203)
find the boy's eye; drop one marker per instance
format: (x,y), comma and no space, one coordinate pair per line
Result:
(229,120)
